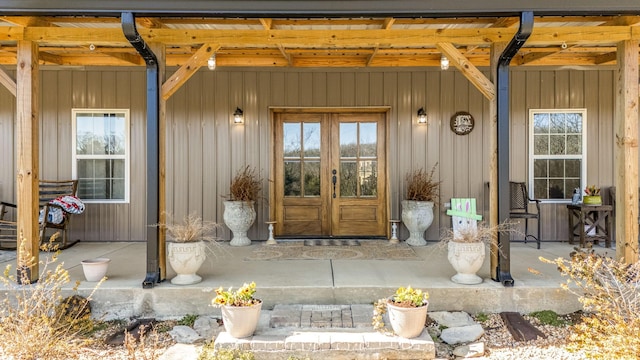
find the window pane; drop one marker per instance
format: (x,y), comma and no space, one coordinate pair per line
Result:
(102,167)
(572,168)
(117,189)
(541,123)
(572,184)
(311,139)
(292,184)
(291,139)
(348,179)
(541,144)
(557,145)
(85,169)
(574,144)
(556,168)
(368,139)
(369,178)
(540,168)
(557,124)
(556,189)
(118,168)
(574,123)
(348,140)
(540,190)
(312,178)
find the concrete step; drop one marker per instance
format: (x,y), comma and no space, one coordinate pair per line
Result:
(319,332)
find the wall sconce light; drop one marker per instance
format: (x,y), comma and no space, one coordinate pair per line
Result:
(422,116)
(211,63)
(444,62)
(238,116)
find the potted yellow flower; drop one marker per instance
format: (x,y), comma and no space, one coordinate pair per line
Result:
(592,196)
(240,310)
(407,310)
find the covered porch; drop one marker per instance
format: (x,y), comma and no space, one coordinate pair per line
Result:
(319,281)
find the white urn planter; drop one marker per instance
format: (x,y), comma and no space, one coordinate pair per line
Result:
(466,259)
(95,269)
(241,321)
(417,216)
(407,322)
(185,259)
(239,216)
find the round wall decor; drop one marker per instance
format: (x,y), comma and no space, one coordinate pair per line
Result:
(462,123)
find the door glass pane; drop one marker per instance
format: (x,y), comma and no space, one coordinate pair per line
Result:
(348,139)
(312,178)
(311,138)
(291,139)
(368,139)
(292,186)
(348,179)
(368,178)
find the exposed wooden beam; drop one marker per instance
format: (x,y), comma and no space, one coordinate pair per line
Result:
(7,81)
(187,70)
(284,53)
(27,166)
(266,23)
(625,122)
(50,58)
(475,76)
(622,21)
(578,35)
(371,56)
(151,23)
(26,21)
(388,23)
(606,58)
(505,22)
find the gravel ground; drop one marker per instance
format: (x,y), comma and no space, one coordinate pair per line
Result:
(499,344)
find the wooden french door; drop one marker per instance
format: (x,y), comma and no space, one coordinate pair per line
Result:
(330,174)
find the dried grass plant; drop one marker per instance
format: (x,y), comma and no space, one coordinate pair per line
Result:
(147,347)
(36,322)
(192,228)
(483,233)
(421,186)
(609,291)
(246,185)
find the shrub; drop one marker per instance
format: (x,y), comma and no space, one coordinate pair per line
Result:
(609,293)
(36,322)
(246,185)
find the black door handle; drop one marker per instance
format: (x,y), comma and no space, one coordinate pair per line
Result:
(334,179)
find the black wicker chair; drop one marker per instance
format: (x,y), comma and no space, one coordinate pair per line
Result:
(519,209)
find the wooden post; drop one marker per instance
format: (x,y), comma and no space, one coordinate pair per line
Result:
(28,157)
(496,50)
(160,51)
(626,152)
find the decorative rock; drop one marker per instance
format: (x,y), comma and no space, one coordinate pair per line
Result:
(452,319)
(469,351)
(185,335)
(180,352)
(462,334)
(207,327)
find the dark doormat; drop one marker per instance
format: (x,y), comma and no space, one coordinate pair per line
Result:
(520,328)
(331,242)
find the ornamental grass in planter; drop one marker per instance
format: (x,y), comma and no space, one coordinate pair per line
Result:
(240,310)
(189,241)
(239,213)
(407,310)
(417,208)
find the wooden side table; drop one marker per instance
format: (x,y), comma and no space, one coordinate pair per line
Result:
(590,223)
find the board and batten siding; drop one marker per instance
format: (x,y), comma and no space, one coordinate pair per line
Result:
(205,149)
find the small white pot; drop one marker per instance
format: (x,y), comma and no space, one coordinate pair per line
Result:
(466,259)
(185,260)
(95,269)
(407,322)
(241,321)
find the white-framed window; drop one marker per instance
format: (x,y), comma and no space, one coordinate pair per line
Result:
(558,156)
(101,154)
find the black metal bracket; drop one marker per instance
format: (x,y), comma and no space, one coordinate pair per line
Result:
(153,147)
(502,78)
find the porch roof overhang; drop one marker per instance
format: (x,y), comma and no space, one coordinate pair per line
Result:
(317,33)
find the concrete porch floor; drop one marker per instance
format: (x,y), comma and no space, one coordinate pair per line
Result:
(537,285)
